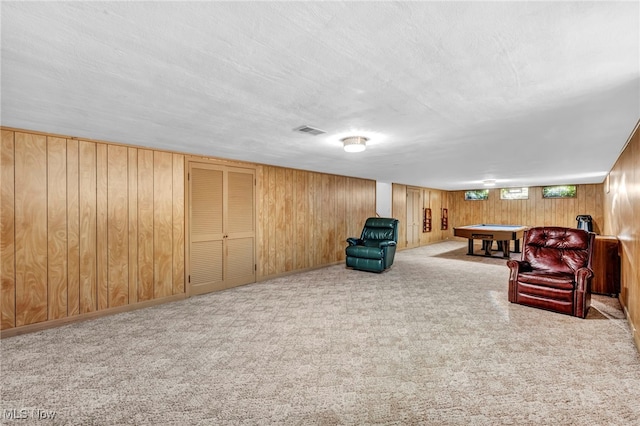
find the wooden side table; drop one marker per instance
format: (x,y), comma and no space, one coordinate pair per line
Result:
(606,266)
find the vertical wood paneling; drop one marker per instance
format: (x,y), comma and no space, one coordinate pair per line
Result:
(288,217)
(268,221)
(620,218)
(592,194)
(307,216)
(117,226)
(87,210)
(279,249)
(57,227)
(162,227)
(301,212)
(328,229)
(631,271)
(31,228)
(132,185)
(536,218)
(178,225)
(73,230)
(262,207)
(529,208)
(436,202)
(399,211)
(542,216)
(33,175)
(340,213)
(260,219)
(312,220)
(7,229)
(350,214)
(102,256)
(273,223)
(318,232)
(101,249)
(262,231)
(535,211)
(81,228)
(145,225)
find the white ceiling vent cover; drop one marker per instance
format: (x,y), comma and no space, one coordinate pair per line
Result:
(309,130)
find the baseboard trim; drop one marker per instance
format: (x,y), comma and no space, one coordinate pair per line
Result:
(635,334)
(32,328)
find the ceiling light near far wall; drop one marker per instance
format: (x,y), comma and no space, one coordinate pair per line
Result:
(489,182)
(354,144)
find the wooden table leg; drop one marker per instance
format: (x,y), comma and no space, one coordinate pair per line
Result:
(486,245)
(516,248)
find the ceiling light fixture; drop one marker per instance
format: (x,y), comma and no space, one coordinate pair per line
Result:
(355,143)
(489,182)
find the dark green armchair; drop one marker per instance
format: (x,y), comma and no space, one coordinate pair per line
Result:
(375,249)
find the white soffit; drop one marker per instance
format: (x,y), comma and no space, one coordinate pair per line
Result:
(449,94)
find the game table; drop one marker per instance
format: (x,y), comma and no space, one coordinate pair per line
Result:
(503,234)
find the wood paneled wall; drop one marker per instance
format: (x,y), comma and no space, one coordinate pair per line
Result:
(304,218)
(622,210)
(536,211)
(434,199)
(86,226)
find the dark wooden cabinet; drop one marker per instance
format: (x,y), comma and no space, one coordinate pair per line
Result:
(606,266)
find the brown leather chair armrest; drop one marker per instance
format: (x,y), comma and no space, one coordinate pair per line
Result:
(515,266)
(583,276)
(582,294)
(519,266)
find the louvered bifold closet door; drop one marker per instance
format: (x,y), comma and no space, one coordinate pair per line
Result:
(207,233)
(240,238)
(222,227)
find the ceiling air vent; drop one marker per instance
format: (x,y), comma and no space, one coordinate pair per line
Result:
(309,130)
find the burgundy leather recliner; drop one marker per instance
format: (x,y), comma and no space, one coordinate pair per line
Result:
(555,271)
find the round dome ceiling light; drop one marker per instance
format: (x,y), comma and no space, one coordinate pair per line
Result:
(354,144)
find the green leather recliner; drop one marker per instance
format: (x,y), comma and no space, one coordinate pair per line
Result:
(375,249)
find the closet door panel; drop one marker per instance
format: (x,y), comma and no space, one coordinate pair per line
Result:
(240,229)
(240,261)
(206,263)
(222,227)
(206,203)
(240,202)
(206,229)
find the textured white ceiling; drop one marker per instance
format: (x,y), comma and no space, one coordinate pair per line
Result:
(527,93)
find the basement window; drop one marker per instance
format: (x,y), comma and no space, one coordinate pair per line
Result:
(514,194)
(559,191)
(478,194)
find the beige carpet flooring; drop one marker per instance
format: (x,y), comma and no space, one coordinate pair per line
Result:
(432,341)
